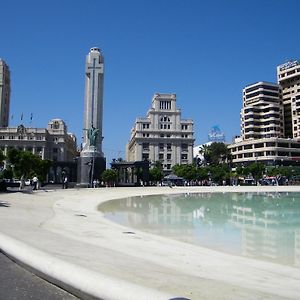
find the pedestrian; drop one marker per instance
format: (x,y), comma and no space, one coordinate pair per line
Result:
(35,182)
(65,182)
(22,183)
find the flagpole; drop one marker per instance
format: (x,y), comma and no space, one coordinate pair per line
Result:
(31,116)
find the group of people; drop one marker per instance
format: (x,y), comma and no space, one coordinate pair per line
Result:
(34,182)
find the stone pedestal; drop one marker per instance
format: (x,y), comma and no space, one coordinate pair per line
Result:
(85,165)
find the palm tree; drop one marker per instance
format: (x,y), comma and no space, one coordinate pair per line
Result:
(205,151)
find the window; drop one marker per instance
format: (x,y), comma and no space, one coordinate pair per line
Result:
(169,147)
(55,150)
(55,125)
(161,156)
(165,119)
(247,147)
(169,156)
(260,145)
(146,126)
(270,144)
(284,145)
(295,145)
(184,147)
(184,156)
(161,147)
(165,122)
(184,127)
(166,104)
(145,156)
(145,146)
(11,137)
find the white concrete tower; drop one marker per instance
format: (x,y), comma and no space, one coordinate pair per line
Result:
(93,105)
(92,161)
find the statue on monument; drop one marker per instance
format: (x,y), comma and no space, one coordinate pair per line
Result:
(92,135)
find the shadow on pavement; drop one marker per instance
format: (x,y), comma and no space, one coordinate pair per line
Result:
(4,204)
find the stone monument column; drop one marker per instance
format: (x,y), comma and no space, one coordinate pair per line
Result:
(92,162)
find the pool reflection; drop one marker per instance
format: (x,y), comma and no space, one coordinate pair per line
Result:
(259,225)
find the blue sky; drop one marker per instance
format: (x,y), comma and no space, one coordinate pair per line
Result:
(204,51)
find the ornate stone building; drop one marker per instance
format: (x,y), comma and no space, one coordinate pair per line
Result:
(53,143)
(162,136)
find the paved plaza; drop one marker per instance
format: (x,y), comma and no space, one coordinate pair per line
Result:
(62,237)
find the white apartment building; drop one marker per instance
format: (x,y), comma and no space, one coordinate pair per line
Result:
(266,123)
(271,151)
(4,93)
(162,135)
(262,113)
(288,76)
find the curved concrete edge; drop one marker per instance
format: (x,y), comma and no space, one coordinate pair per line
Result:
(79,281)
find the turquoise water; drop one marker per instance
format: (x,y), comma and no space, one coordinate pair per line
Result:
(264,226)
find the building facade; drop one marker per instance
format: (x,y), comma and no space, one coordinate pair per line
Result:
(162,135)
(270,128)
(270,151)
(262,113)
(288,76)
(4,93)
(53,143)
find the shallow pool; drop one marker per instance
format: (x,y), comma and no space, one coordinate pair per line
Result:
(260,225)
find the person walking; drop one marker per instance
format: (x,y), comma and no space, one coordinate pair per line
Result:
(35,182)
(65,182)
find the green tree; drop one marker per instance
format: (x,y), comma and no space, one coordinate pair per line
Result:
(25,164)
(257,170)
(156,172)
(202,173)
(219,153)
(205,151)
(188,172)
(42,168)
(109,176)
(219,173)
(2,158)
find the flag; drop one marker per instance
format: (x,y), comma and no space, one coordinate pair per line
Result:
(31,116)
(12,116)
(21,116)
